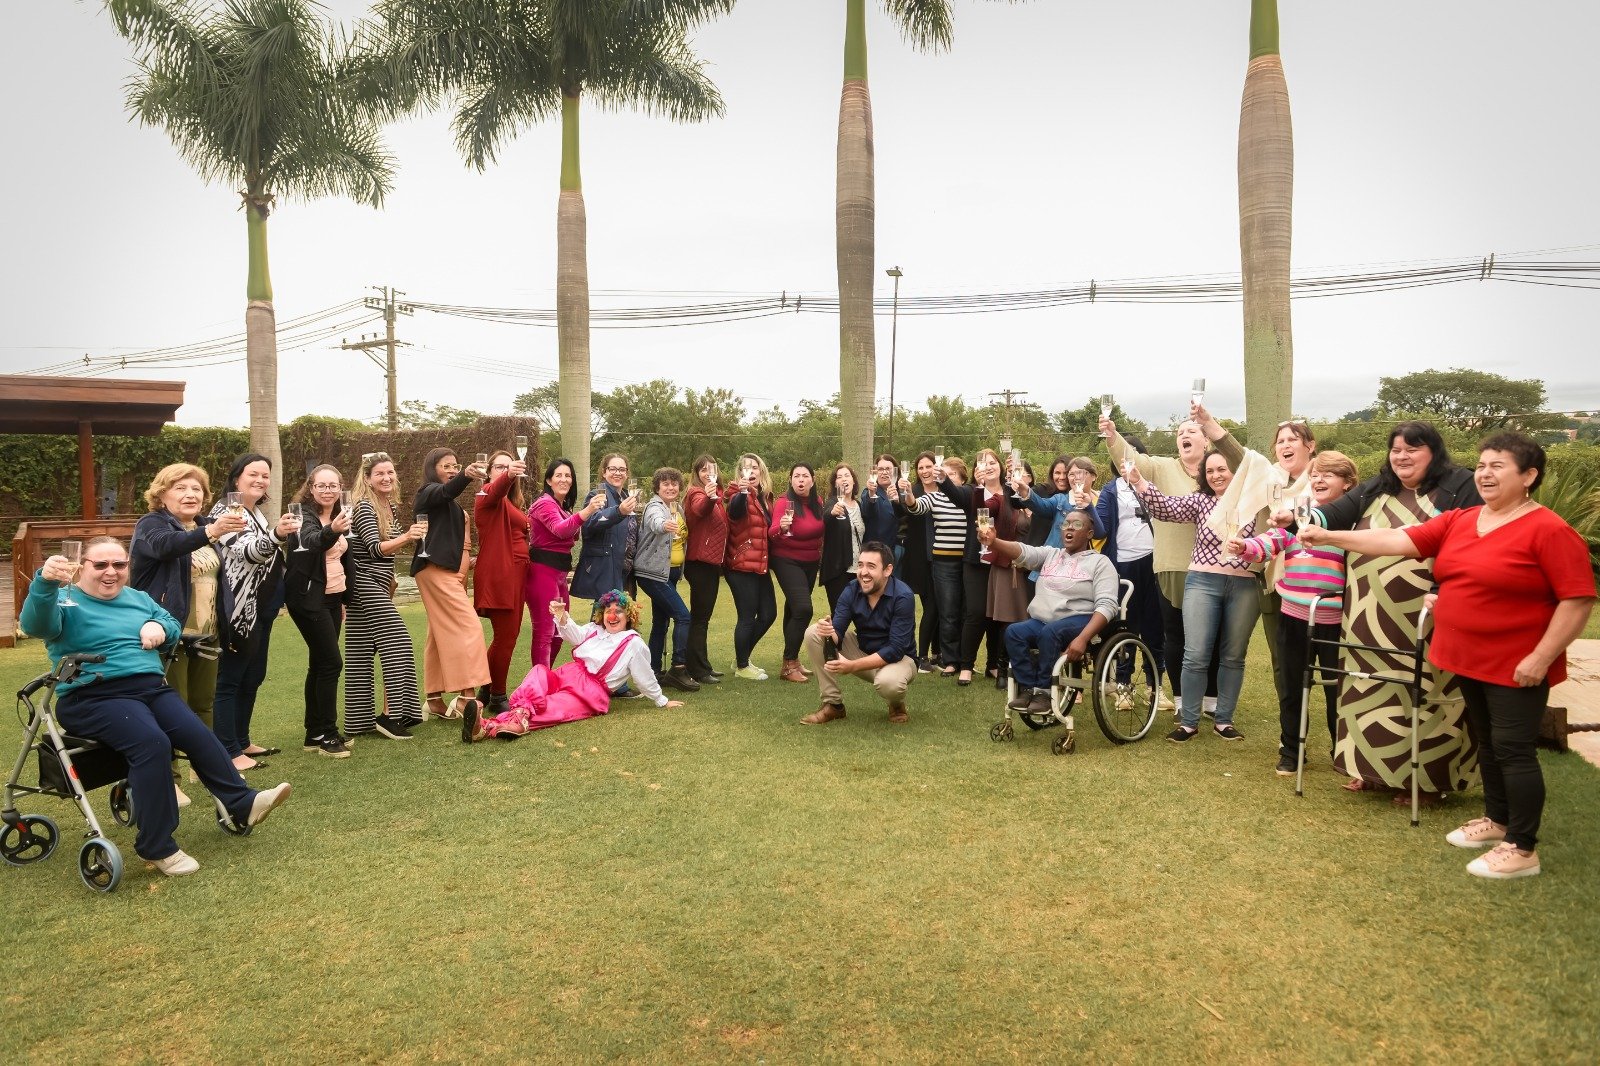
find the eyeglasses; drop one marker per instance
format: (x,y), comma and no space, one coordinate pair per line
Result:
(326,486)
(119,565)
(616,470)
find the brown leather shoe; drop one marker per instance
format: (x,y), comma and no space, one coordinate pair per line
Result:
(828,712)
(792,671)
(897,714)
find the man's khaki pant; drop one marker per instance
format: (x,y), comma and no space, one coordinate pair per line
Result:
(891,681)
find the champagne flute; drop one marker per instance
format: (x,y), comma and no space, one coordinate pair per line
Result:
(72,552)
(1106,404)
(905,470)
(1230,530)
(422,545)
(1016,473)
(482,460)
(1197,392)
(711,477)
(838,490)
(985,522)
(522,451)
(233,503)
(297,511)
(1302,517)
(633,486)
(938,459)
(344,500)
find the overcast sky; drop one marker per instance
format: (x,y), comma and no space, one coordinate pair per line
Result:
(1058,141)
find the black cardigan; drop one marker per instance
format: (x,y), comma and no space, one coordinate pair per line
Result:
(1454,489)
(160,561)
(447,524)
(305,579)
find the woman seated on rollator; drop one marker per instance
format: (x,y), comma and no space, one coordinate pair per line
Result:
(1076,598)
(125,702)
(607,654)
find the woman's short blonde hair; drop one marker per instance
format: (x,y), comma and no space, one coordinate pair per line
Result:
(1336,463)
(169,476)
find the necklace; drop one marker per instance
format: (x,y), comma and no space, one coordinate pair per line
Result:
(1499,520)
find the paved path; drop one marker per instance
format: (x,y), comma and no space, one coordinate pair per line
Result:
(1580,695)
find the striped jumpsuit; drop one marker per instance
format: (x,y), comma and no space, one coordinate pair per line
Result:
(374,628)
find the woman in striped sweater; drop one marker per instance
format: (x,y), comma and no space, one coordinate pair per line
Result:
(945,554)
(373,628)
(1308,573)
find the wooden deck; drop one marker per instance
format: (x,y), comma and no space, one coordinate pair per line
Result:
(1580,695)
(8,619)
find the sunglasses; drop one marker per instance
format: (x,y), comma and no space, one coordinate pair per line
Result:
(119,565)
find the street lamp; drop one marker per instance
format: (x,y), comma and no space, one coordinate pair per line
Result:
(894,336)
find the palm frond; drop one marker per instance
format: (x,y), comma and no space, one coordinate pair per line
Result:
(925,23)
(682,14)
(492,114)
(168,33)
(658,74)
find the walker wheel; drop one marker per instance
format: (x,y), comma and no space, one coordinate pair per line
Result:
(32,839)
(1001,731)
(120,799)
(1065,744)
(100,864)
(226,823)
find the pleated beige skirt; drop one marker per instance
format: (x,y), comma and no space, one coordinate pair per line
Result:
(454,658)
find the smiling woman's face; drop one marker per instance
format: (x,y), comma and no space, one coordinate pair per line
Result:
(183,499)
(254,480)
(1409,462)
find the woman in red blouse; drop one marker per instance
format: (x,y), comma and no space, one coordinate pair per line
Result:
(794,539)
(1515,588)
(501,569)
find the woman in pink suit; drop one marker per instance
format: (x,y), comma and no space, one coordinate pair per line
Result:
(553,528)
(606,654)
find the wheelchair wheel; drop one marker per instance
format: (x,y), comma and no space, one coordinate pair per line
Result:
(1065,744)
(120,799)
(100,864)
(32,839)
(1126,687)
(1001,731)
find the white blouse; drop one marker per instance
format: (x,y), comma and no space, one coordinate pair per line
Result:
(592,646)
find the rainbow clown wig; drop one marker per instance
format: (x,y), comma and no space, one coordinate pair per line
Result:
(630,609)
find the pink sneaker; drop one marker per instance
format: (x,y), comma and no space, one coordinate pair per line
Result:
(1505,862)
(1478,833)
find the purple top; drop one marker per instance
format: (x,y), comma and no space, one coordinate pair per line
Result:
(1196,507)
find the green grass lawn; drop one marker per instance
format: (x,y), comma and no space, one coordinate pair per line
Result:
(721,883)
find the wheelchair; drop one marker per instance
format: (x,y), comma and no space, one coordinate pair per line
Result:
(1121,681)
(70,768)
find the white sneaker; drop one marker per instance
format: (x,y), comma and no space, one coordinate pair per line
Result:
(175,865)
(265,802)
(183,797)
(1164,702)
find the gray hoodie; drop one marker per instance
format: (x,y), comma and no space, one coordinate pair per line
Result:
(652,556)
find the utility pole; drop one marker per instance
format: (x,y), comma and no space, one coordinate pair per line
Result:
(894,338)
(389,303)
(1008,394)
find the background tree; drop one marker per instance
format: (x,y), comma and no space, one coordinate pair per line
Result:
(508,63)
(249,94)
(1266,201)
(926,23)
(420,414)
(1474,401)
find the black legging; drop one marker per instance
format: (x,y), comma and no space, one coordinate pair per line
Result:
(1172,623)
(975,624)
(755,608)
(1505,723)
(320,628)
(704,582)
(796,580)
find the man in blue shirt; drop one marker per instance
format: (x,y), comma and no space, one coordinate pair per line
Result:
(873,634)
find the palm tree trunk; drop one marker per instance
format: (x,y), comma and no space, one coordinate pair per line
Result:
(572,298)
(858,374)
(261,352)
(1266,196)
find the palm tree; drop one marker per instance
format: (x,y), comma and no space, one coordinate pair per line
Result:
(926,23)
(1266,198)
(248,94)
(508,63)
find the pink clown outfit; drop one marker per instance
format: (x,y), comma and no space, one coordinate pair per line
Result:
(551,533)
(601,663)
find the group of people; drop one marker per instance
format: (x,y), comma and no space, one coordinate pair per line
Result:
(1210,542)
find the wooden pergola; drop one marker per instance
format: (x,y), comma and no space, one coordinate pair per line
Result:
(85,407)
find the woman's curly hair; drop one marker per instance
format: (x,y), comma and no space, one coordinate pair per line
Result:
(630,608)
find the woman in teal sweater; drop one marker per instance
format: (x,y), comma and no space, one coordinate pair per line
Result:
(125,702)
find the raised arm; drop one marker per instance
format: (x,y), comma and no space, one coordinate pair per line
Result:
(437,494)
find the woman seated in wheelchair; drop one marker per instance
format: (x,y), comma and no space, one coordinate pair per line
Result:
(125,702)
(1076,598)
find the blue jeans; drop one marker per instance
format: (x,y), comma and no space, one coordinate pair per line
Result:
(1217,609)
(1049,638)
(667,608)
